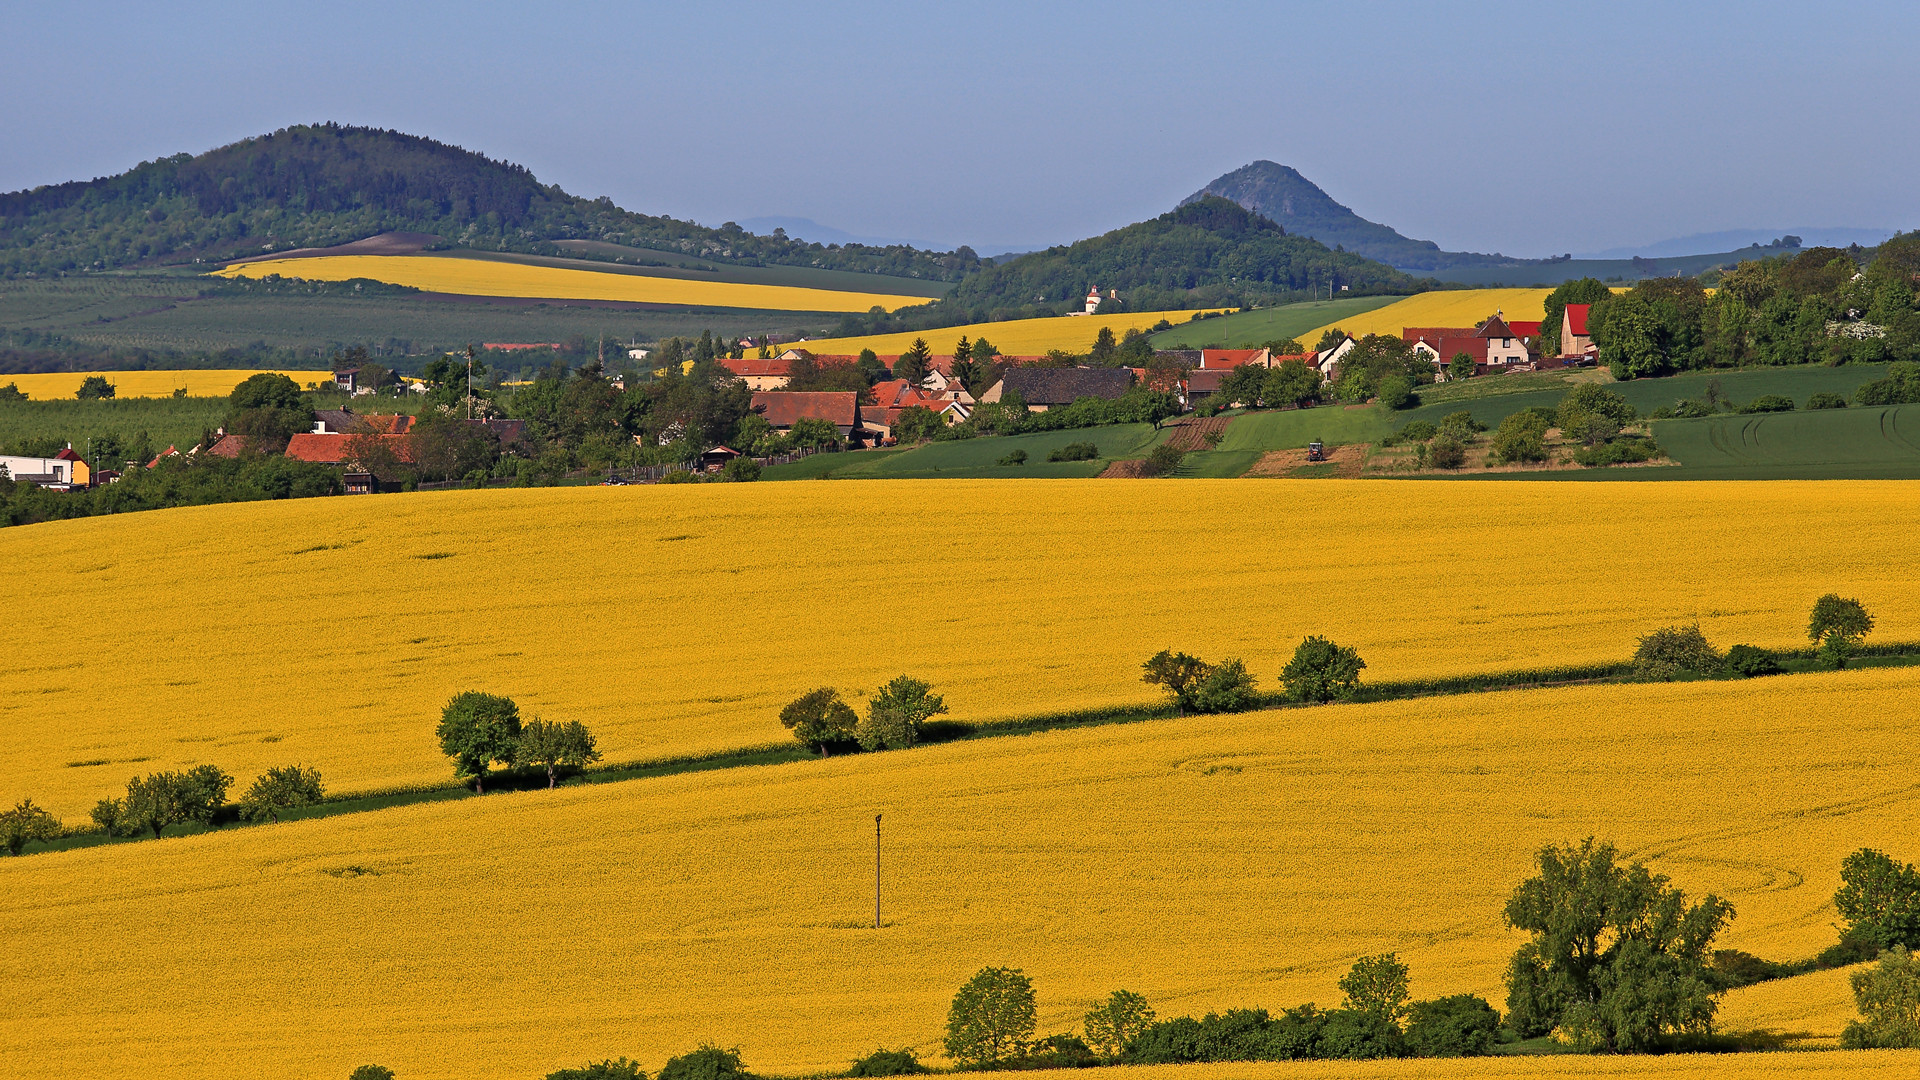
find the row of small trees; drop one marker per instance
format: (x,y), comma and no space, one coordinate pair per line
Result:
(1320,671)
(160,800)
(1837,626)
(895,716)
(478,730)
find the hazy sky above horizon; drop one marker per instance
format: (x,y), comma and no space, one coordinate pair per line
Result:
(1528,129)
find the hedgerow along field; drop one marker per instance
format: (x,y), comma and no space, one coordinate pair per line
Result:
(488,277)
(330,631)
(1206,862)
(1015,337)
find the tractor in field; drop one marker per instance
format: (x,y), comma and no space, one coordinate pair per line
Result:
(1316,451)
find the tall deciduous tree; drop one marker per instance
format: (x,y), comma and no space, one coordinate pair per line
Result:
(1178,674)
(1618,957)
(1377,986)
(476,730)
(991,1018)
(1879,898)
(1888,996)
(556,746)
(1837,624)
(1116,1022)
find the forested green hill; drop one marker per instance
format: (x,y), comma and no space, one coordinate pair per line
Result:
(330,184)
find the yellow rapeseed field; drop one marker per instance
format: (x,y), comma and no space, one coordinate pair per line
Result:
(1206,863)
(486,277)
(129,384)
(1452,307)
(1016,337)
(677,620)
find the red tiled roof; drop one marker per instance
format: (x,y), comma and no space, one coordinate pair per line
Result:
(1304,358)
(783,408)
(1205,381)
(333,449)
(1450,347)
(1224,359)
(1577,318)
(66,455)
(228,446)
(772,367)
(1524,329)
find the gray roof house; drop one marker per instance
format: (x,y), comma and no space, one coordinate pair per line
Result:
(1043,388)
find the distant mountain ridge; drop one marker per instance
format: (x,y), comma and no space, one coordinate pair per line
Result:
(1298,205)
(327,184)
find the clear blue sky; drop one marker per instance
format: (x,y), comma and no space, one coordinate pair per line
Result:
(1530,129)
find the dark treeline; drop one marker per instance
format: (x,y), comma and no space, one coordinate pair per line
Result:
(1824,305)
(315,186)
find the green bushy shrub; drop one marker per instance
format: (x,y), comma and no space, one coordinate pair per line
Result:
(1079,451)
(1766,403)
(1749,661)
(1419,431)
(1458,1026)
(1671,650)
(1015,457)
(1688,409)
(888,1063)
(706,1063)
(1446,451)
(601,1070)
(1826,400)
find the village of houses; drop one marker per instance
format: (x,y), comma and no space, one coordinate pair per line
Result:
(1496,346)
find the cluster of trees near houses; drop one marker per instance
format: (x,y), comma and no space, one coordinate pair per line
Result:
(1826,305)
(1617,960)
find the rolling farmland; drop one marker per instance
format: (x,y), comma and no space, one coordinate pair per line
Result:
(339,627)
(1206,862)
(490,277)
(1016,337)
(1251,329)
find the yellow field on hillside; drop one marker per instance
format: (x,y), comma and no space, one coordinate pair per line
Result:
(1452,307)
(678,619)
(486,277)
(130,384)
(1206,863)
(1016,337)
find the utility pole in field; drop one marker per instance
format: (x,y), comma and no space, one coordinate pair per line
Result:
(876,871)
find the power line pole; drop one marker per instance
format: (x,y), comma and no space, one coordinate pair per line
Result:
(876,871)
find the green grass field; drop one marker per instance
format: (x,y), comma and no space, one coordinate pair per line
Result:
(822,466)
(978,458)
(1866,444)
(164,311)
(1289,429)
(1251,329)
(1547,388)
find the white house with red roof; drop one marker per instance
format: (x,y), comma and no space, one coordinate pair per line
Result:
(1494,345)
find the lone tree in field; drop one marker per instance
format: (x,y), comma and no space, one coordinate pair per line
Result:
(1837,625)
(1880,899)
(1117,1022)
(281,789)
(1178,673)
(819,719)
(477,730)
(1322,671)
(1617,959)
(1377,986)
(26,822)
(895,714)
(991,1018)
(555,746)
(168,798)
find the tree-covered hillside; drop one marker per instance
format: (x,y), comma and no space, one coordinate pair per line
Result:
(331,184)
(1207,252)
